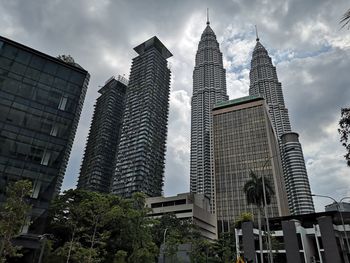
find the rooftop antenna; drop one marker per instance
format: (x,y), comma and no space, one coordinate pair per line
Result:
(208,16)
(256,32)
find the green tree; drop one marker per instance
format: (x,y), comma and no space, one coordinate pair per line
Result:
(253,189)
(120,257)
(13,216)
(345,19)
(244,217)
(224,248)
(344,131)
(80,220)
(143,249)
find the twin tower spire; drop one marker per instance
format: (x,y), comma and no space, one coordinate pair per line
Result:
(209,88)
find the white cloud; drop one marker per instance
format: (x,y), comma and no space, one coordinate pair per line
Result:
(303,38)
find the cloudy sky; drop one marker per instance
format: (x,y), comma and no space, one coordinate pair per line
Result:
(304,38)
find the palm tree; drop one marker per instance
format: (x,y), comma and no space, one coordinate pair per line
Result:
(345,19)
(254,192)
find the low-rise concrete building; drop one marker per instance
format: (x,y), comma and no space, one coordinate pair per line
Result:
(189,206)
(308,238)
(341,206)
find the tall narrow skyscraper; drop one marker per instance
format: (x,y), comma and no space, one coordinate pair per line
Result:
(264,82)
(98,164)
(141,153)
(209,88)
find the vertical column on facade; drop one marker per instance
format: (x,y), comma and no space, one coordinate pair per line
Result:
(249,242)
(291,242)
(329,240)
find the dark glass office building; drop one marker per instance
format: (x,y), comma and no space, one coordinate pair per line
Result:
(141,153)
(41,98)
(98,165)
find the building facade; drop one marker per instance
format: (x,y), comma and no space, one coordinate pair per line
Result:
(187,206)
(264,82)
(244,141)
(41,98)
(209,88)
(307,238)
(98,164)
(141,153)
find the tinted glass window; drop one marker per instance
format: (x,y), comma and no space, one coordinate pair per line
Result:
(77,78)
(33,73)
(10,51)
(18,68)
(50,68)
(23,57)
(37,62)
(63,72)
(5,62)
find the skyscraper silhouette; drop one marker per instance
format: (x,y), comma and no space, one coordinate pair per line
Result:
(209,88)
(141,153)
(264,82)
(98,164)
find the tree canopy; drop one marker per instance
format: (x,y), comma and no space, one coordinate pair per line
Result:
(13,216)
(344,131)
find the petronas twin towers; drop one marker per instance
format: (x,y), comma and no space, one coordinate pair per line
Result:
(209,88)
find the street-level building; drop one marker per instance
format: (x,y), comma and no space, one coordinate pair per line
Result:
(187,206)
(307,238)
(98,164)
(245,142)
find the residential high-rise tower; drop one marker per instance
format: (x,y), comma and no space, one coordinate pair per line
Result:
(264,82)
(141,153)
(209,88)
(98,164)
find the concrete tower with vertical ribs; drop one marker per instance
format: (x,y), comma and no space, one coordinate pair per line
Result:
(209,88)
(264,82)
(141,153)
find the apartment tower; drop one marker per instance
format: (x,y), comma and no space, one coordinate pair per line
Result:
(141,153)
(98,164)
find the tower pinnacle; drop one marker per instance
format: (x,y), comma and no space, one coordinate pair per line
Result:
(256,32)
(208,16)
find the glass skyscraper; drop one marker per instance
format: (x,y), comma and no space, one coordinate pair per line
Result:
(41,98)
(141,153)
(98,164)
(264,82)
(244,141)
(209,88)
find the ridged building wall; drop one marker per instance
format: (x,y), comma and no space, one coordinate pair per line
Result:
(264,82)
(209,88)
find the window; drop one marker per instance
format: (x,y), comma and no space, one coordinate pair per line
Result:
(46,158)
(63,103)
(54,130)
